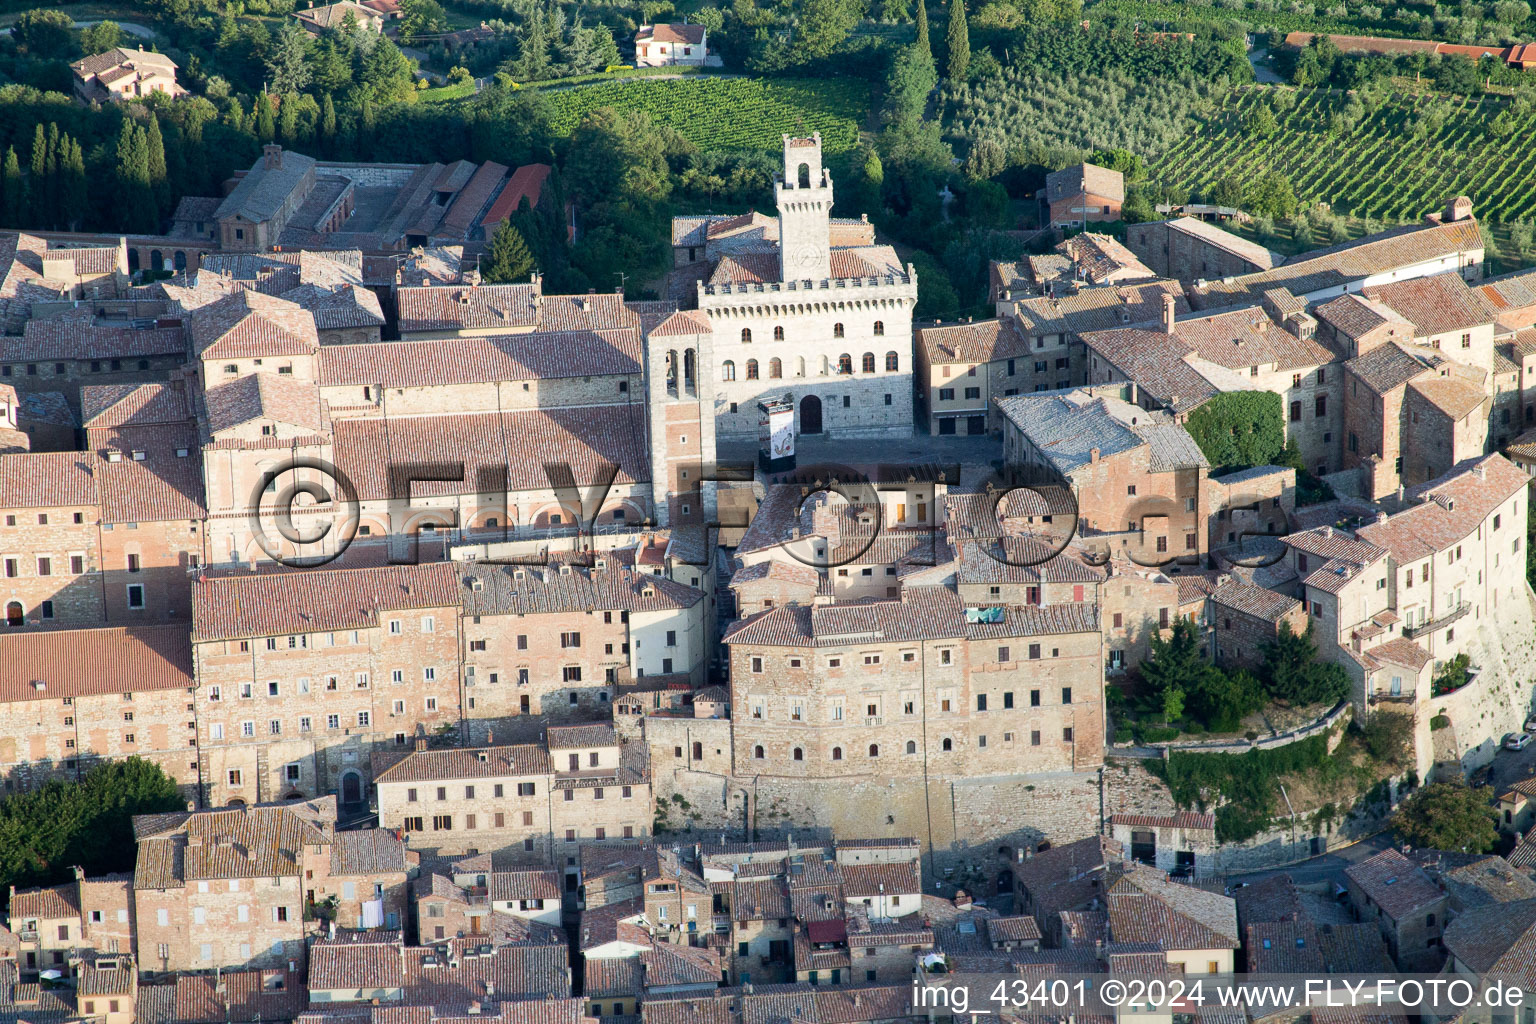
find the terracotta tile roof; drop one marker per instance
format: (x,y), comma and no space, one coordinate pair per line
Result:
(1496,941)
(505,972)
(1097,309)
(252,842)
(1256,601)
(315,600)
(338,308)
(97,63)
(610,923)
(482,763)
(359,960)
(616,976)
(403,364)
(248,325)
(532,884)
(1019,928)
(1145,906)
(585,439)
(922,613)
(602,311)
(1387,367)
(979,342)
(1067,876)
(86,662)
(1355,316)
(1400,651)
(1451,508)
(674,33)
(670,963)
(527,182)
(1349,262)
(1089,178)
(1240,338)
(240,996)
(264,396)
(1486,882)
(1157,363)
(472,200)
(503,591)
(1524,853)
(1454,397)
(492,306)
(61,339)
(51,904)
(1097,257)
(1395,884)
(115,405)
(48,480)
(776,569)
(1438,304)
(1283,947)
(1179,819)
(369,851)
(684,322)
(162,488)
(860,880)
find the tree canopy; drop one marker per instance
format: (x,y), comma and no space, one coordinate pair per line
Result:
(46,831)
(1447,816)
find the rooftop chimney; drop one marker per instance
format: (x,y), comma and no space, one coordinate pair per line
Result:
(1169,303)
(272,156)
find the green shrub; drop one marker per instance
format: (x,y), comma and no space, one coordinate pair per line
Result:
(1239,428)
(1246,785)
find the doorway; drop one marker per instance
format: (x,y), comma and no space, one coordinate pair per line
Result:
(810,415)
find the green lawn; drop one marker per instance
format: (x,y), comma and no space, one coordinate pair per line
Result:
(728,113)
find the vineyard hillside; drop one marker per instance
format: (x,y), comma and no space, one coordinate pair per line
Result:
(1399,160)
(728,113)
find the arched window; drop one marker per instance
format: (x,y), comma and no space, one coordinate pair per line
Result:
(775,368)
(798,755)
(826,367)
(800,366)
(757,752)
(728,370)
(948,744)
(803,176)
(746,335)
(892,362)
(778,334)
(911,746)
(845,363)
(879,328)
(14,615)
(751,369)
(837,330)
(837,753)
(874,750)
(869,362)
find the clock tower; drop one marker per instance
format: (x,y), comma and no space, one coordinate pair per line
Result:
(804,196)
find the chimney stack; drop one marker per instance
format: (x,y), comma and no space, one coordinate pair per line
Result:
(1168,313)
(272,156)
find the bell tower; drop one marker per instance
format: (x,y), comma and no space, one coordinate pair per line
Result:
(804,197)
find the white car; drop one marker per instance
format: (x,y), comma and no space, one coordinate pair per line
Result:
(1530,724)
(1517,741)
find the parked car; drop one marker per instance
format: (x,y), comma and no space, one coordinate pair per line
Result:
(1517,741)
(1530,724)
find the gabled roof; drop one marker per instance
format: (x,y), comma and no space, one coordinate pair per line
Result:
(1394,883)
(249,324)
(1145,906)
(261,193)
(1085,177)
(264,396)
(672,33)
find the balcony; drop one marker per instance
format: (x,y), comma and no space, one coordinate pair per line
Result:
(1439,622)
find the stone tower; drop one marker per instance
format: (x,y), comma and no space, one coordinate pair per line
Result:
(804,196)
(680,399)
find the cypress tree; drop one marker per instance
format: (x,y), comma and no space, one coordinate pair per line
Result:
(958,40)
(288,120)
(15,189)
(73,192)
(37,214)
(327,123)
(509,259)
(50,183)
(159,179)
(922,28)
(265,119)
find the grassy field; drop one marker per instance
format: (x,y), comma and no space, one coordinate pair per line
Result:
(732,113)
(1357,173)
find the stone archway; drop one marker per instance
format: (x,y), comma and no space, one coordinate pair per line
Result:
(351,788)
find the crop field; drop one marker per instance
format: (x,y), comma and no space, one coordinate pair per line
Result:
(1355,171)
(728,113)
